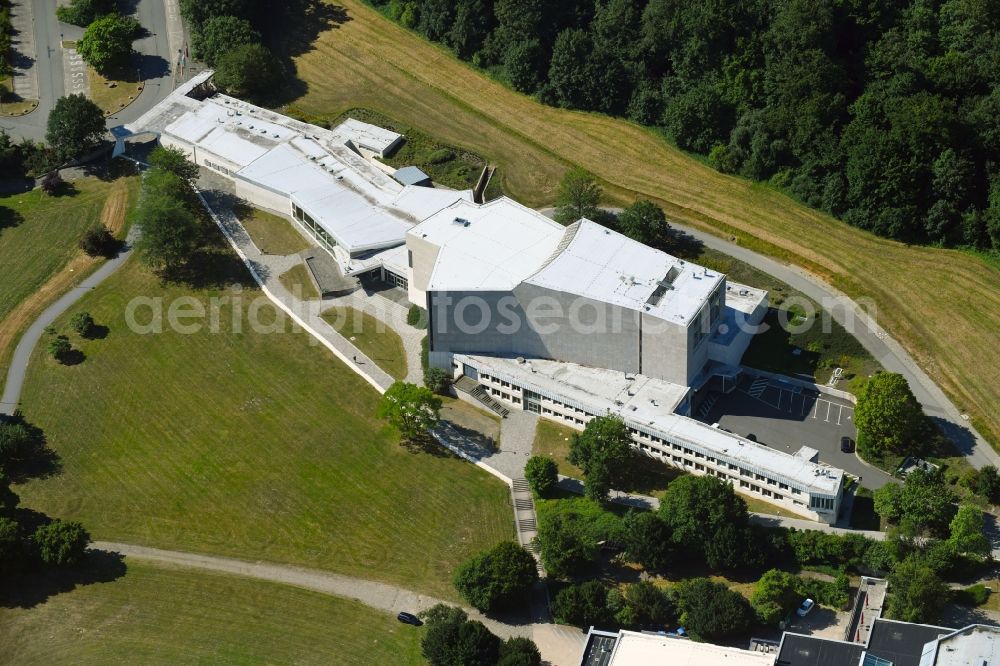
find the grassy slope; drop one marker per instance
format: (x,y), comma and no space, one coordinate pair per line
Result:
(943,305)
(42,243)
(157,614)
(252,445)
(273,234)
(376,340)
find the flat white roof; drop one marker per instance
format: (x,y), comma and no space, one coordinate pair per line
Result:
(609,267)
(972,646)
(354,200)
(488,247)
(650,403)
(638,649)
(368,136)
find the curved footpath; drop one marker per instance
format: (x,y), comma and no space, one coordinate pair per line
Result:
(22,353)
(381,596)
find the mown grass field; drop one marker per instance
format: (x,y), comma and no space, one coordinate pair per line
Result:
(39,257)
(376,340)
(943,305)
(254,445)
(157,614)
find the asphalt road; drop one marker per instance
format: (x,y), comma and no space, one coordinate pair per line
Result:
(879,344)
(154,60)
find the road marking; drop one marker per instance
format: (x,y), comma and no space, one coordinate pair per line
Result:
(840,412)
(828,406)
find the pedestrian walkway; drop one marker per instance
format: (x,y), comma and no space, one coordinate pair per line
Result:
(267,268)
(382,596)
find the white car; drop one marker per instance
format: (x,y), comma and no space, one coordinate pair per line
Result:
(806,607)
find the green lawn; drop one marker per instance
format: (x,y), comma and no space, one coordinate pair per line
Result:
(38,235)
(156,614)
(552,439)
(297,280)
(375,339)
(270,233)
(643,474)
(255,445)
(39,257)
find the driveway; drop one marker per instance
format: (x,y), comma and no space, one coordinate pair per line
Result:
(787,419)
(153,58)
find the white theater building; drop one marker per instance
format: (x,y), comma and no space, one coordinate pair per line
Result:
(567,322)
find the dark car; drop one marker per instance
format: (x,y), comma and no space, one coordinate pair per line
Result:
(847,445)
(409,618)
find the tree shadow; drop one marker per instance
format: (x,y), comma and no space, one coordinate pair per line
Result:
(28,590)
(425,443)
(292,32)
(9,218)
(152,66)
(37,460)
(681,245)
(72,357)
(97,332)
(208,269)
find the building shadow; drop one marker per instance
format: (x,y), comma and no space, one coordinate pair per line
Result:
(29,589)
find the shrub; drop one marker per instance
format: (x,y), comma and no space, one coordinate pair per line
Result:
(542,474)
(98,242)
(582,605)
(440,156)
(437,380)
(59,347)
(52,182)
(82,323)
(416,316)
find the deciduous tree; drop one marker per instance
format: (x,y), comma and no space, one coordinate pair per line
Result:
(412,409)
(916,593)
(888,416)
(643,221)
(497,578)
(578,196)
(542,474)
(61,543)
(250,71)
(452,638)
(221,34)
(75,124)
(107,42)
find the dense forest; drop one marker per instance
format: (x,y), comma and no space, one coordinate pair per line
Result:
(884,113)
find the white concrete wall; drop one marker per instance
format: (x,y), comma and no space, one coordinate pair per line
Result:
(263,198)
(424,255)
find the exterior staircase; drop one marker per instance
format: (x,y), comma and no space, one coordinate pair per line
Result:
(525,521)
(479,392)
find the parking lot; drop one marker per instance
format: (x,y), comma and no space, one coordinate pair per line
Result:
(787,417)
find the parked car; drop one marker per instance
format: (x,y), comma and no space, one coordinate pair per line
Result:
(805,608)
(847,445)
(409,618)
